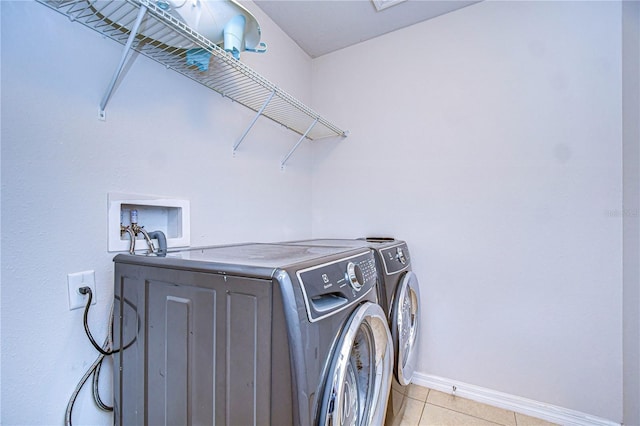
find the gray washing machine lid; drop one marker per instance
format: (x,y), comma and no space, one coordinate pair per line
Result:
(249,259)
(405,320)
(259,254)
(359,378)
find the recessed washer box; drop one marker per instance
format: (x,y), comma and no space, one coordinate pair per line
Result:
(171,216)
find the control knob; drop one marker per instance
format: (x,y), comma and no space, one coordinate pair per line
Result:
(355,276)
(400,256)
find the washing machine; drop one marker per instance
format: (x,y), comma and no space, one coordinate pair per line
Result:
(399,294)
(251,334)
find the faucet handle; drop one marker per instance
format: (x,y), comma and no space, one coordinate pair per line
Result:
(134,216)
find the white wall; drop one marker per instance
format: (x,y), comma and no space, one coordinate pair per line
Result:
(631,209)
(164,135)
(490,139)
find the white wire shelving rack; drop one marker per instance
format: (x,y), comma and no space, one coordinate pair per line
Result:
(142,26)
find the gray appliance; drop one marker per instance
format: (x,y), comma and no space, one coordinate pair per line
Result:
(399,294)
(251,334)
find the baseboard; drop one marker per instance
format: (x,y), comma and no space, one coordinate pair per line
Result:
(551,413)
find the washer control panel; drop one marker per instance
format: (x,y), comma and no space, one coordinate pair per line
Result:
(334,286)
(395,258)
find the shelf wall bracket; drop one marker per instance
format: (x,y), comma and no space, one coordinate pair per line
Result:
(284,160)
(123,60)
(260,111)
(144,27)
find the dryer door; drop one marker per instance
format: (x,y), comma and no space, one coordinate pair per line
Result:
(405,317)
(359,375)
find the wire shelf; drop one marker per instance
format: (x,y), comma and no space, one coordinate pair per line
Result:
(165,39)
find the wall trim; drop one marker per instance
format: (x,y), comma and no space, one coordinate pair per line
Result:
(551,413)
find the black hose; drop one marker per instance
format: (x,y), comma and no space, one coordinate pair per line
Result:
(96,390)
(87,290)
(74,396)
(93,369)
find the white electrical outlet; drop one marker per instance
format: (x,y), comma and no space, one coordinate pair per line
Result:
(76,281)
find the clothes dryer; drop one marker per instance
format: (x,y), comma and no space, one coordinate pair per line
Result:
(251,334)
(399,294)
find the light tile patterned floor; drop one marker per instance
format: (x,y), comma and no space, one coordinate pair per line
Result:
(431,407)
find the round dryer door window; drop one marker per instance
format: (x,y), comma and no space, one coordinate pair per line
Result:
(359,377)
(404,327)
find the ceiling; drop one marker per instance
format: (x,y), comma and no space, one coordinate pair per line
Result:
(323,26)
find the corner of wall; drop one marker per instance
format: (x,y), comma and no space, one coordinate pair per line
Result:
(631,210)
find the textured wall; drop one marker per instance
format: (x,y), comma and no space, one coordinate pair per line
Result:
(164,135)
(490,139)
(631,208)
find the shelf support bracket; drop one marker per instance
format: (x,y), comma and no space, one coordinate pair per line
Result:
(284,160)
(260,111)
(123,60)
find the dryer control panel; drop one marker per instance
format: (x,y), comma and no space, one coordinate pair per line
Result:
(396,259)
(333,286)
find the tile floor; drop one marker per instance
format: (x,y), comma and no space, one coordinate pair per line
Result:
(431,407)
